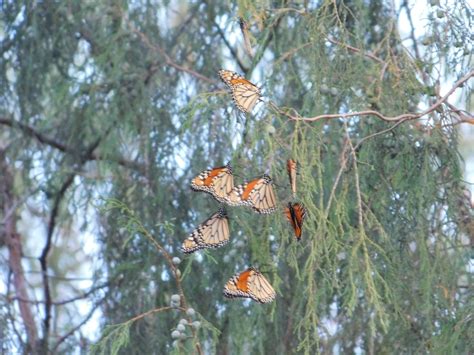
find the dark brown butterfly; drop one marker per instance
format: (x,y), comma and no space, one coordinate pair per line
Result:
(296,214)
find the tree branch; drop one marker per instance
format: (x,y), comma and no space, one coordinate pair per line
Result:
(231,49)
(13,242)
(32,132)
(168,60)
(405,116)
(464,116)
(412,29)
(140,228)
(51,226)
(63,302)
(44,261)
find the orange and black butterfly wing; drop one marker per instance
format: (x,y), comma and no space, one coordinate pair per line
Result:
(212,233)
(245,97)
(250,284)
(237,286)
(260,195)
(260,289)
(232,79)
(234,198)
(257,194)
(244,93)
(218,182)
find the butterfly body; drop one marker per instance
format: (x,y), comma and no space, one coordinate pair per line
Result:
(250,284)
(244,93)
(212,233)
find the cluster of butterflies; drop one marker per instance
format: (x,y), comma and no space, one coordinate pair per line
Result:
(257,194)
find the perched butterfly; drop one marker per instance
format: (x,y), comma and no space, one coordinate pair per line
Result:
(296,214)
(257,194)
(218,182)
(244,27)
(212,233)
(250,284)
(291,168)
(245,94)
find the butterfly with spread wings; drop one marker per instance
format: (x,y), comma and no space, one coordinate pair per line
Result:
(212,233)
(257,194)
(296,213)
(245,94)
(250,284)
(219,182)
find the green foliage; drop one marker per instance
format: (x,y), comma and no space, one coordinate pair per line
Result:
(114,337)
(125,98)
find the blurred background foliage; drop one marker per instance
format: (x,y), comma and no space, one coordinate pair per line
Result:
(121,100)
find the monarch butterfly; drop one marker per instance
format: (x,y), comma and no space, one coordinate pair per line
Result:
(296,214)
(250,284)
(257,194)
(245,32)
(291,167)
(212,233)
(218,182)
(245,94)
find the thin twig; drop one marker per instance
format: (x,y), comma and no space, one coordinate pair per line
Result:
(63,302)
(292,51)
(168,60)
(78,326)
(284,10)
(378,134)
(337,14)
(464,116)
(17,204)
(338,177)
(357,50)
(356,175)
